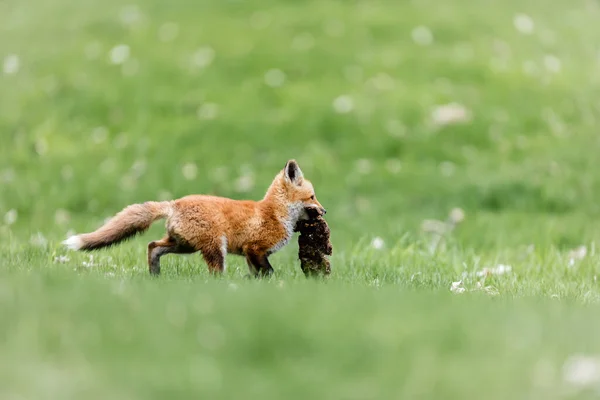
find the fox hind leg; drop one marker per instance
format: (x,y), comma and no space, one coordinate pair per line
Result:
(159,248)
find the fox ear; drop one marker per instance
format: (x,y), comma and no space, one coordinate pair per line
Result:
(292,172)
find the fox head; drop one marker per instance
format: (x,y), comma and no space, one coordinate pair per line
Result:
(294,189)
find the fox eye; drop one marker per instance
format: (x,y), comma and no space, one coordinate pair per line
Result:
(312,197)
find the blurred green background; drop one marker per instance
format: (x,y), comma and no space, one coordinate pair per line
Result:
(107,104)
(399,112)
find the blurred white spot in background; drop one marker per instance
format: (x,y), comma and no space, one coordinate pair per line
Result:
(189,171)
(377,243)
(353,73)
(260,20)
(10,217)
(7,175)
(582,371)
(219,173)
(61,216)
(334,28)
(274,77)
(119,54)
(457,215)
(552,63)
(382,82)
(130,67)
(303,41)
(451,113)
(99,134)
(523,23)
(395,128)
(121,141)
(422,35)
(41,146)
(66,172)
(165,195)
(93,50)
(244,183)
(130,14)
(393,165)
(108,166)
(138,168)
(343,104)
(38,240)
(11,64)
(447,168)
(168,32)
(208,111)
(530,68)
(203,57)
(363,166)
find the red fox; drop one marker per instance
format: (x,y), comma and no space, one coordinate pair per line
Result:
(215,226)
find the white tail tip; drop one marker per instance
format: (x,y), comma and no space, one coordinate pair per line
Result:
(73,242)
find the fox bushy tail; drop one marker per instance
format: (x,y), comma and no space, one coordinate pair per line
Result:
(132,220)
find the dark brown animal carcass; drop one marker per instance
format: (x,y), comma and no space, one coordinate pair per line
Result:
(314,246)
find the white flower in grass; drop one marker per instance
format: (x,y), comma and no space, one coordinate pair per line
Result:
(577,254)
(233,286)
(90,262)
(500,269)
(61,259)
(457,287)
(492,291)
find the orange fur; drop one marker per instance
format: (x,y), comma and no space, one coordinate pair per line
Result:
(214,225)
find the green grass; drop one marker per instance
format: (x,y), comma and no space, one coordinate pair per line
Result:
(192,109)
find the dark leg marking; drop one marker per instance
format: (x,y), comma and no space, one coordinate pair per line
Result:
(259,264)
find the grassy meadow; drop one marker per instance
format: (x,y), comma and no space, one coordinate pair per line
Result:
(454,144)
